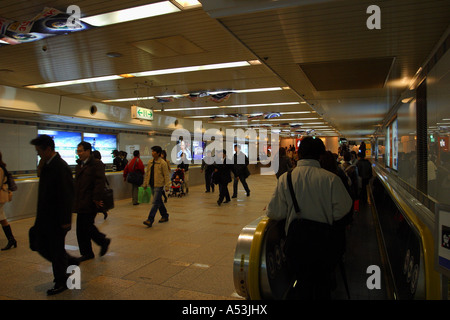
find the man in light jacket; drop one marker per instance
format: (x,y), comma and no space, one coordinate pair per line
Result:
(157,177)
(322,198)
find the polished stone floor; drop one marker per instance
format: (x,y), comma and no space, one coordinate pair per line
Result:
(188,258)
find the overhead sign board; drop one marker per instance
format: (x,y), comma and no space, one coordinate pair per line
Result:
(141,113)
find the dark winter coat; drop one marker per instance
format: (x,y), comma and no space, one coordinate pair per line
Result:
(90,182)
(55,196)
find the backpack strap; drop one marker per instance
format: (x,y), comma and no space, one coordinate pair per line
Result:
(291,189)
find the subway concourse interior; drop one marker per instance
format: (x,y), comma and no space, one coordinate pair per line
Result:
(364,76)
(188,258)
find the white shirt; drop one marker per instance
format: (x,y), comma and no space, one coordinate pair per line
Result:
(320,194)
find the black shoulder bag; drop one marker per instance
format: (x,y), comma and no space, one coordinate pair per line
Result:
(108,198)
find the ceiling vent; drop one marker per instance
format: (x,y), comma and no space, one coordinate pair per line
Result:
(371,73)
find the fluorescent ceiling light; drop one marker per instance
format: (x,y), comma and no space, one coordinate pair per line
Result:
(295,112)
(212,92)
(143,74)
(185,109)
(291,119)
(262,105)
(130,14)
(213,66)
(209,116)
(250,90)
(188,3)
(237,106)
(70,82)
(226,121)
(129,99)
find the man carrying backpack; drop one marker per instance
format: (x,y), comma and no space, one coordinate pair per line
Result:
(322,201)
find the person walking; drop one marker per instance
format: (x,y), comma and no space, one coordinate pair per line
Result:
(54,211)
(157,178)
(222,176)
(284,163)
(208,168)
(134,167)
(240,170)
(89,188)
(365,172)
(5,196)
(323,200)
(184,166)
(97,155)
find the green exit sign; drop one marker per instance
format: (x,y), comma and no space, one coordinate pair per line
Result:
(141,113)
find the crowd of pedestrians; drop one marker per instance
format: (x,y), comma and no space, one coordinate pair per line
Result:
(327,187)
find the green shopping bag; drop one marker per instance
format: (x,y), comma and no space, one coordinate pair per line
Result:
(144,195)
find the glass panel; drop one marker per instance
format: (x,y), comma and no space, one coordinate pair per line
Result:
(438,116)
(407,157)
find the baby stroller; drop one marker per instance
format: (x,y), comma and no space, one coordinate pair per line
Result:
(177,187)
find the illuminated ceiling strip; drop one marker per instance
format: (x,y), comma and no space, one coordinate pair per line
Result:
(226,121)
(187,94)
(282,113)
(291,119)
(129,99)
(235,106)
(143,74)
(185,109)
(70,82)
(130,14)
(188,4)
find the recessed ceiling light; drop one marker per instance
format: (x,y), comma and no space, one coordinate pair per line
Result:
(255,62)
(238,106)
(143,74)
(113,54)
(130,14)
(212,92)
(188,4)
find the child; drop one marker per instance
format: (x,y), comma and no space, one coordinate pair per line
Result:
(176,185)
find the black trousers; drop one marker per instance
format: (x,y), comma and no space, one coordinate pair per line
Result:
(235,185)
(51,247)
(87,231)
(223,192)
(208,183)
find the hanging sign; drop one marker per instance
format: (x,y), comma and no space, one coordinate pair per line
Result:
(141,113)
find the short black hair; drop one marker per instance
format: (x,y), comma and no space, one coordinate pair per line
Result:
(85,145)
(136,153)
(158,149)
(311,148)
(97,154)
(43,141)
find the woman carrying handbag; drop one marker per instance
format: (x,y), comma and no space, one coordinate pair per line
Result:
(5,196)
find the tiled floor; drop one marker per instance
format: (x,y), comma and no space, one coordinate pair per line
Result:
(190,257)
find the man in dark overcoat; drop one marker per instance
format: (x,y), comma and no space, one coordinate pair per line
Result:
(240,170)
(89,189)
(54,211)
(222,175)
